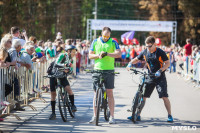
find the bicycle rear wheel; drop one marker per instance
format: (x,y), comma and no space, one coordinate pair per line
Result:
(106,108)
(98,98)
(135,104)
(62,104)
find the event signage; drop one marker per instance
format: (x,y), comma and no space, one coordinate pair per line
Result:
(134,25)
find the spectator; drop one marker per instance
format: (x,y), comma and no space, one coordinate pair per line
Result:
(133,54)
(84,53)
(14,53)
(68,42)
(78,59)
(59,48)
(46,46)
(5,45)
(40,47)
(3,56)
(27,44)
(123,56)
(50,51)
(16,34)
(187,52)
(34,40)
(127,53)
(27,55)
(8,35)
(59,36)
(172,61)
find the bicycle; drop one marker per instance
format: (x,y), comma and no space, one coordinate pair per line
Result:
(63,97)
(136,103)
(101,96)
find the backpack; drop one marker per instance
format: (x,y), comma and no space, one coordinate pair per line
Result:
(50,68)
(52,65)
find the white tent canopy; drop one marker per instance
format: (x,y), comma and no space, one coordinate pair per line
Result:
(132,25)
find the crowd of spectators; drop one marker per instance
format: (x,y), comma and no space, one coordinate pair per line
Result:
(18,50)
(185,58)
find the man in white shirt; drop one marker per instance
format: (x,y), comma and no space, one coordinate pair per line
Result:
(16,33)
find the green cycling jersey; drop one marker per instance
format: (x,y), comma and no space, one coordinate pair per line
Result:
(63,60)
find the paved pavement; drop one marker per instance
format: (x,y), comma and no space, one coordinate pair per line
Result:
(183,96)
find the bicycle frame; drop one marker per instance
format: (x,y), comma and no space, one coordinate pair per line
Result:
(101,97)
(136,104)
(101,86)
(62,97)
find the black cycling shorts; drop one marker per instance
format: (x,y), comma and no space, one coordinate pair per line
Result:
(160,84)
(53,83)
(108,79)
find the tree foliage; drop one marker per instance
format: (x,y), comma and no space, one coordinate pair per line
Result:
(159,10)
(185,12)
(44,18)
(191,21)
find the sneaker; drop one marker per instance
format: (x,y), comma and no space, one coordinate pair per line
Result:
(93,120)
(74,109)
(52,117)
(130,117)
(138,118)
(112,120)
(19,109)
(170,118)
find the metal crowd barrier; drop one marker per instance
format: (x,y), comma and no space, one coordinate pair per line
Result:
(193,69)
(31,86)
(28,81)
(7,78)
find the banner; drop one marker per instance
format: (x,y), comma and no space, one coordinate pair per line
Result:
(133,25)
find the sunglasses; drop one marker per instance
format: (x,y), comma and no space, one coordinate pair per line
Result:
(149,46)
(106,37)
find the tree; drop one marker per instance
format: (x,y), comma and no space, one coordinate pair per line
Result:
(159,10)
(191,22)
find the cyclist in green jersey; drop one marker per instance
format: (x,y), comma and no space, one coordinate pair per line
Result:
(104,50)
(63,60)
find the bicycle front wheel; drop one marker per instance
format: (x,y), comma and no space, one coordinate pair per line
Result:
(135,105)
(62,104)
(69,106)
(106,108)
(98,103)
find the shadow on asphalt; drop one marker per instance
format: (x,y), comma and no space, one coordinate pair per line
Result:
(155,122)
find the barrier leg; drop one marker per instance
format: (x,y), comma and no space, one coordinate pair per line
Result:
(37,97)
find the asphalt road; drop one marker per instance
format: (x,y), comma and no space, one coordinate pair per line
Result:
(184,99)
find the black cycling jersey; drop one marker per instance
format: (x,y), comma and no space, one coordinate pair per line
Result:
(155,60)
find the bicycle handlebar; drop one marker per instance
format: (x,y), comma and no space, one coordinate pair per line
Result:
(96,71)
(140,72)
(55,76)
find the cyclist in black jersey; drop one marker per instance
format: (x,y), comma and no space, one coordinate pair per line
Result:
(63,60)
(157,62)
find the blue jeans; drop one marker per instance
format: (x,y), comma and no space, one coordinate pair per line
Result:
(77,70)
(173,64)
(187,64)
